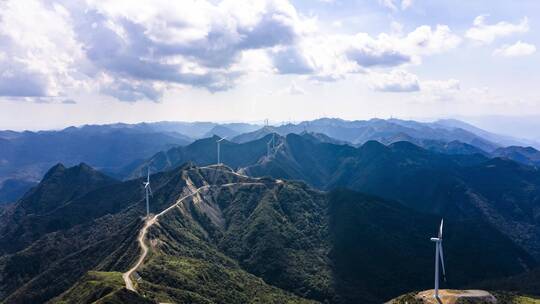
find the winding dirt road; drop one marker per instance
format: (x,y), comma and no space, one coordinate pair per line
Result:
(142,236)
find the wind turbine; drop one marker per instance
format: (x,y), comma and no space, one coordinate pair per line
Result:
(218,151)
(148,191)
(438,254)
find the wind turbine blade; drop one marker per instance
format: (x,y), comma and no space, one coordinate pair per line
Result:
(440,229)
(150,189)
(442,260)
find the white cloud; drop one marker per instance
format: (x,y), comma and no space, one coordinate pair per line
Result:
(440,90)
(432,91)
(388,4)
(394,50)
(486,33)
(451,90)
(133,50)
(405,4)
(395,81)
(36,60)
(193,43)
(427,41)
(294,89)
(441,85)
(394,4)
(514,50)
(384,51)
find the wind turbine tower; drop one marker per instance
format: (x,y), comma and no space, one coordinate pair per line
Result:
(438,255)
(218,150)
(148,191)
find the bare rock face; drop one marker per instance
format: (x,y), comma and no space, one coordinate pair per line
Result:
(450,296)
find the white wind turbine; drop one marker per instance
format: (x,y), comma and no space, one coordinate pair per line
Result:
(148,191)
(438,254)
(218,150)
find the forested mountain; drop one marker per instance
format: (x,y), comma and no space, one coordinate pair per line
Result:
(500,191)
(232,239)
(525,155)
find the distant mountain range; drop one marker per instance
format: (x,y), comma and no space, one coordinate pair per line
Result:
(387,131)
(118,149)
(241,238)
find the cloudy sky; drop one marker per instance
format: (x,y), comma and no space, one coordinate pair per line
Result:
(76,62)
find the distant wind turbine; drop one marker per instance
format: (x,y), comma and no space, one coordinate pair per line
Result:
(218,150)
(438,254)
(148,191)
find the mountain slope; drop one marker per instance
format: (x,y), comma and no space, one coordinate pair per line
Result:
(525,155)
(33,215)
(314,244)
(100,287)
(465,186)
(244,239)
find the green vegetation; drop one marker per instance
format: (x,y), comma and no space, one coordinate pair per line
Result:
(525,300)
(243,240)
(188,280)
(100,288)
(500,192)
(93,286)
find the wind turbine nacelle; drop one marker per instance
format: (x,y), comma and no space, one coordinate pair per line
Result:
(435,239)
